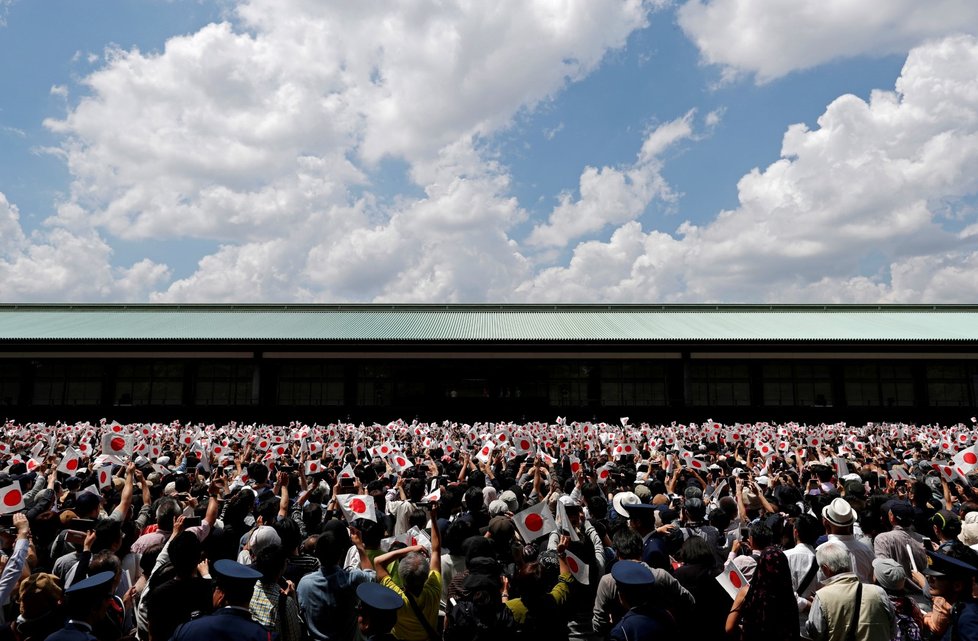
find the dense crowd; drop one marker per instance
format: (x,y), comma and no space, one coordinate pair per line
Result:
(427,531)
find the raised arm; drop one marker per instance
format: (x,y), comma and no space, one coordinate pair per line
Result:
(435,564)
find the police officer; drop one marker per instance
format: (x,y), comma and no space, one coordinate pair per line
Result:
(954,580)
(231,620)
(378,611)
(644,621)
(85,604)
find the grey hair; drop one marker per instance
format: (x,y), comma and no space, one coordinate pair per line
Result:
(834,557)
(413,570)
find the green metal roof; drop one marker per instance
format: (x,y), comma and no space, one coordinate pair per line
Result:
(487,323)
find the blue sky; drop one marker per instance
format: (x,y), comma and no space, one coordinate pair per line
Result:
(610,150)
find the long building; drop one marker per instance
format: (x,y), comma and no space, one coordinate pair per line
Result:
(491,362)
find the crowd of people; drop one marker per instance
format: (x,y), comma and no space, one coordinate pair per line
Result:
(427,531)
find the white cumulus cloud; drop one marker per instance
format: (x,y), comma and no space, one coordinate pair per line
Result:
(771,38)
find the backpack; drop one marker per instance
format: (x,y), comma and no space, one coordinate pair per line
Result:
(466,621)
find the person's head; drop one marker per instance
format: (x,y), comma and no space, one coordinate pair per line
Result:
(257,473)
(628,544)
(40,595)
(760,536)
(271,563)
(697,551)
(377,612)
(889,575)
(184,553)
(838,517)
(952,575)
(833,559)
(87,600)
(474,499)
(106,561)
(167,511)
(413,570)
(108,535)
(234,584)
(946,525)
(329,551)
(807,529)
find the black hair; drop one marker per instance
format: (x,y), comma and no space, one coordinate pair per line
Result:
(628,544)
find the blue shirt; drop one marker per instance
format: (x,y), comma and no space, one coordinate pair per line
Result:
(328,599)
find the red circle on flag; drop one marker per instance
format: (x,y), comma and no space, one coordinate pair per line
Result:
(358,506)
(533,522)
(116,428)
(948,471)
(735,580)
(384,450)
(765,449)
(604,474)
(263,444)
(814,441)
(400,461)
(103,477)
(502,437)
(628,448)
(72,464)
(117,444)
(575,467)
(485,451)
(945,445)
(11,498)
(524,444)
(572,564)
(970,458)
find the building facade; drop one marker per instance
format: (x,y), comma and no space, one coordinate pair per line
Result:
(323,363)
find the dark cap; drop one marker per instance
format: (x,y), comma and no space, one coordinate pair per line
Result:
(632,573)
(484,565)
(500,528)
(855,488)
(232,573)
(943,565)
(695,508)
(901,511)
(378,597)
(946,520)
(475,582)
(639,510)
(86,502)
(91,586)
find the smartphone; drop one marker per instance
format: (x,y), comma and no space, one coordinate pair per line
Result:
(81,525)
(6,520)
(744,533)
(191,521)
(75,537)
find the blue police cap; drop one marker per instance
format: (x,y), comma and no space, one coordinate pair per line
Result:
(943,565)
(638,510)
(226,572)
(101,581)
(378,597)
(632,573)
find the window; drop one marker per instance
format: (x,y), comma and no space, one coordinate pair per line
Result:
(224,384)
(720,384)
(374,384)
(9,383)
(68,383)
(632,383)
(149,383)
(796,384)
(879,384)
(947,385)
(311,383)
(568,384)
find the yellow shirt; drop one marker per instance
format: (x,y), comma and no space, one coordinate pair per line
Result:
(560,593)
(408,628)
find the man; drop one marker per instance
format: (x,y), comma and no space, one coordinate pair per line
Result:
(655,550)
(896,543)
(85,604)
(643,619)
(420,588)
(839,519)
(802,563)
(954,581)
(666,590)
(844,601)
(378,611)
(234,585)
(327,596)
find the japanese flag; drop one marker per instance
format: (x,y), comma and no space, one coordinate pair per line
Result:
(814,441)
(603,473)
(315,447)
(448,446)
(563,522)
(385,449)
(899,474)
(578,568)
(357,506)
(575,464)
(313,467)
(401,462)
(732,579)
(11,499)
(85,448)
(523,444)
(485,453)
(625,449)
(948,473)
(765,449)
(966,459)
(104,476)
(535,522)
(347,472)
(70,462)
(432,497)
(697,464)
(415,536)
(117,444)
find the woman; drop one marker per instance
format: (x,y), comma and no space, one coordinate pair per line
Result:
(766,609)
(698,575)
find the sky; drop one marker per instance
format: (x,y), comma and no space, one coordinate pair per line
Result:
(521,151)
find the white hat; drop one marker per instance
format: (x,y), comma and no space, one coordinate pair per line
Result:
(838,513)
(620,500)
(762,480)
